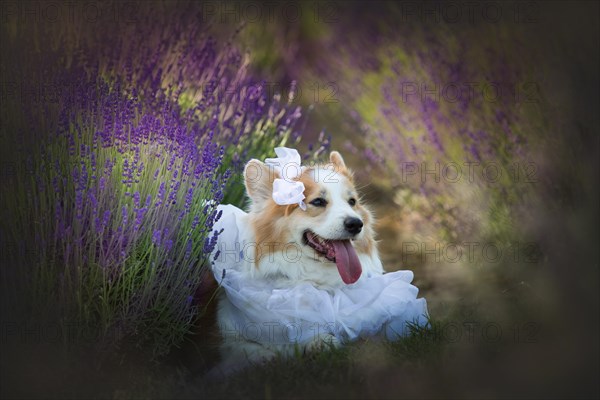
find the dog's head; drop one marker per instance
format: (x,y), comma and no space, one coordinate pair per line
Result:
(328,243)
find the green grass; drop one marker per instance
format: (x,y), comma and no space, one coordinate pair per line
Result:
(365,369)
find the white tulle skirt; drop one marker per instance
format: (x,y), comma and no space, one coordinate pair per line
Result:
(271,312)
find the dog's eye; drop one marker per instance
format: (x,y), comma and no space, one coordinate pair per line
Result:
(319,202)
(352,202)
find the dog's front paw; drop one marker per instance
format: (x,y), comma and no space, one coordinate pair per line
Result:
(322,342)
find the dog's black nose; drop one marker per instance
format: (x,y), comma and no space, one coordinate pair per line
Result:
(353,225)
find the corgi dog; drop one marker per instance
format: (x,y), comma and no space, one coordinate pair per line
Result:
(332,241)
(292,261)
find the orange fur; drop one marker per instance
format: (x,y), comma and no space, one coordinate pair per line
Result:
(367,243)
(270,230)
(336,159)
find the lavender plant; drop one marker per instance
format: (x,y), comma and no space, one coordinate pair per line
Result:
(456,143)
(123,198)
(126,163)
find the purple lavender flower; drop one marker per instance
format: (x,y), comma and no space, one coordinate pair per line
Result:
(124,215)
(139,216)
(106,218)
(195,222)
(188,199)
(79,204)
(173,194)
(93,202)
(161,194)
(156,237)
(136,199)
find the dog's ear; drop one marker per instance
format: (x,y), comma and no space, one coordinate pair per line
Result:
(258,178)
(338,162)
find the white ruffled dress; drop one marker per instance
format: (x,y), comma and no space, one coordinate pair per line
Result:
(274,312)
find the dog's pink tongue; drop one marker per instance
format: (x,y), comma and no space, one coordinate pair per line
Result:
(347,261)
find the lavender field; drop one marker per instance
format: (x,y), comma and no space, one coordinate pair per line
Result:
(472,130)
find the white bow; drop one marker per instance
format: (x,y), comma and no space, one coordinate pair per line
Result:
(287,190)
